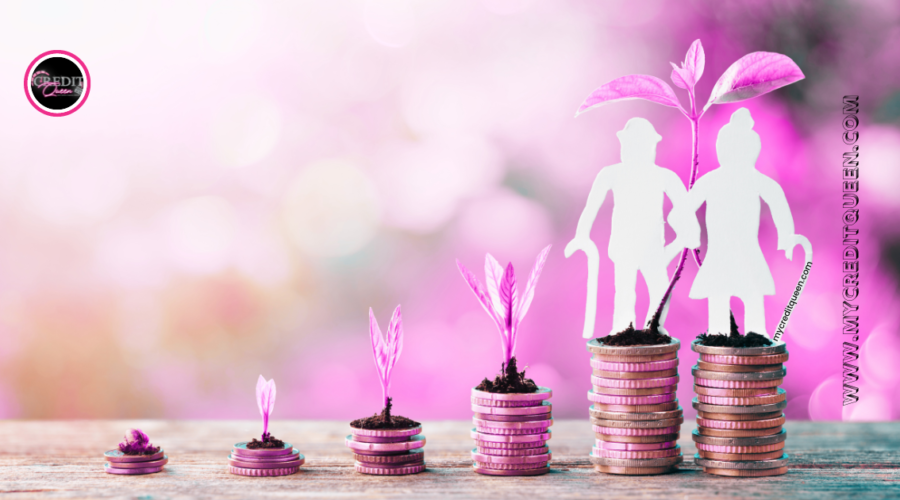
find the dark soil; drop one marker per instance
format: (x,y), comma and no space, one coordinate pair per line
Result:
(268,442)
(734,339)
(630,336)
(510,381)
(128,449)
(384,420)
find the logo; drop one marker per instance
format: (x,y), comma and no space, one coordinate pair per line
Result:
(57,83)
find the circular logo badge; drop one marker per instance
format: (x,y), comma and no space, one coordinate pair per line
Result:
(57,83)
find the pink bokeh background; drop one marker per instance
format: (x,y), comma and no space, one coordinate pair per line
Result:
(248,178)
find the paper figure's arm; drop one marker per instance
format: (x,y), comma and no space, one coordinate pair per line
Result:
(683,221)
(773,195)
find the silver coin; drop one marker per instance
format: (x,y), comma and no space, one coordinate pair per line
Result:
(749,464)
(618,415)
(638,424)
(595,347)
(739,441)
(774,407)
(776,348)
(772,375)
(648,462)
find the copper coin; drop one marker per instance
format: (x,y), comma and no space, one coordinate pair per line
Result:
(775,348)
(641,383)
(747,473)
(140,465)
(705,431)
(399,470)
(615,391)
(597,348)
(768,408)
(654,399)
(635,375)
(739,441)
(738,384)
(117,456)
(287,471)
(634,471)
(747,401)
(523,472)
(493,438)
(734,393)
(616,415)
(739,417)
(519,459)
(500,466)
(530,426)
(638,408)
(513,418)
(771,359)
(715,367)
(745,465)
(499,452)
(648,366)
(619,431)
(544,407)
(636,455)
(509,446)
(130,472)
(637,439)
(740,424)
(740,449)
(606,445)
(541,394)
(741,456)
(647,462)
(635,359)
(242,450)
(411,456)
(357,447)
(638,424)
(386,432)
(753,376)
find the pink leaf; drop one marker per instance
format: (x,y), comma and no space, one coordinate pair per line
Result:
(395,346)
(632,87)
(528,292)
(509,295)
(379,350)
(677,77)
(754,74)
(265,399)
(694,62)
(478,290)
(493,275)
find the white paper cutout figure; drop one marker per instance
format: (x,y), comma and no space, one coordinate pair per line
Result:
(637,240)
(734,265)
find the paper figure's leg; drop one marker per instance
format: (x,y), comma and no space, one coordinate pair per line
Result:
(719,315)
(755,315)
(657,283)
(623,309)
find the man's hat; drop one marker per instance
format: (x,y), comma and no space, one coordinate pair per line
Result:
(639,129)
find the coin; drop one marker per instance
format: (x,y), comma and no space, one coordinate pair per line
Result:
(618,431)
(607,445)
(119,457)
(241,449)
(140,465)
(715,367)
(531,426)
(635,375)
(649,462)
(740,424)
(751,465)
(540,450)
(386,432)
(631,400)
(524,472)
(776,348)
(769,408)
(265,465)
(541,394)
(373,439)
(743,417)
(414,442)
(130,472)
(613,391)
(771,359)
(737,384)
(399,470)
(615,415)
(741,456)
(509,446)
(281,458)
(635,359)
(521,459)
(664,438)
(636,455)
(595,347)
(747,401)
(510,432)
(526,438)
(411,456)
(746,473)
(504,404)
(638,424)
(499,466)
(734,393)
(740,449)
(738,432)
(642,383)
(544,407)
(647,366)
(513,418)
(739,441)
(634,471)
(706,374)
(638,408)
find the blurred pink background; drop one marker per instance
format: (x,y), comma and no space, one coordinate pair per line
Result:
(247,178)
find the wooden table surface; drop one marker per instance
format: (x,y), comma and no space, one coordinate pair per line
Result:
(53,459)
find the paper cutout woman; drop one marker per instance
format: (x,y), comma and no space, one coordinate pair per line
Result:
(637,240)
(734,265)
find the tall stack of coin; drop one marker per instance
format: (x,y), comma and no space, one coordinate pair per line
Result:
(739,408)
(635,413)
(282,461)
(387,452)
(120,463)
(511,433)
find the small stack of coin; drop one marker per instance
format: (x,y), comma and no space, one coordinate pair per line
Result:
(635,414)
(739,408)
(264,461)
(387,452)
(132,465)
(511,433)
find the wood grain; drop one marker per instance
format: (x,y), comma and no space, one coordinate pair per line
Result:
(51,459)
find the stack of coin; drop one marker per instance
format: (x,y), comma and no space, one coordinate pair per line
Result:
(511,433)
(387,452)
(264,461)
(635,414)
(739,408)
(132,465)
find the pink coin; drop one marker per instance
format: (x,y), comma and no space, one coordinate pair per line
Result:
(648,366)
(636,455)
(620,431)
(715,391)
(525,472)
(130,472)
(400,470)
(496,466)
(609,445)
(513,418)
(544,407)
(281,458)
(653,399)
(499,452)
(407,457)
(117,456)
(740,449)
(414,442)
(240,471)
(380,439)
(265,465)
(386,432)
(740,424)
(737,384)
(510,432)
(509,446)
(140,465)
(637,383)
(505,403)
(611,391)
(527,438)
(242,450)
(521,459)
(639,408)
(541,394)
(532,424)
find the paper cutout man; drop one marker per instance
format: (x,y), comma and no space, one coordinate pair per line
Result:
(637,240)
(734,265)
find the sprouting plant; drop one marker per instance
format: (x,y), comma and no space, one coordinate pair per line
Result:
(137,443)
(750,76)
(387,352)
(265,399)
(501,301)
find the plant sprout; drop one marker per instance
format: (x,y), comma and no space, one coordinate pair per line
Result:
(387,352)
(265,399)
